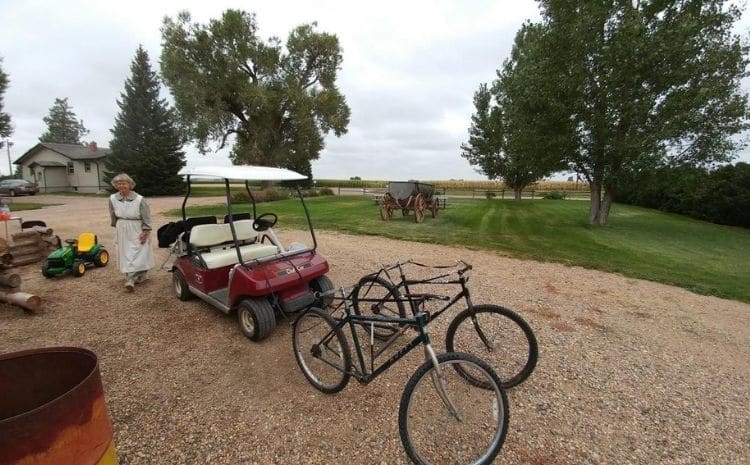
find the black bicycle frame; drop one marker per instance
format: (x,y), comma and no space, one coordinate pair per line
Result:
(419,322)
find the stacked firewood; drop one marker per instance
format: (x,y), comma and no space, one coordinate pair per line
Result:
(32,245)
(10,283)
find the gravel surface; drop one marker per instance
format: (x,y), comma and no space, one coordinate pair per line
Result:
(630,372)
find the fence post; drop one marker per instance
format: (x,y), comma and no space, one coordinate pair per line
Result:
(502,195)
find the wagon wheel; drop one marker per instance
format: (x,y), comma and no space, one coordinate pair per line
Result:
(419,208)
(385,211)
(434,207)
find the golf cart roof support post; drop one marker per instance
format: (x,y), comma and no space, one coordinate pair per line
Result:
(184,201)
(250,194)
(307,215)
(228,191)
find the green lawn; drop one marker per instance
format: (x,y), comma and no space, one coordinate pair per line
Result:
(641,243)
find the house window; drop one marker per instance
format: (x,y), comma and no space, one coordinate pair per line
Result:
(87,167)
(71,168)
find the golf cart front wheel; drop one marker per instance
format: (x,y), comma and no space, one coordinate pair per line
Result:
(256,318)
(180,286)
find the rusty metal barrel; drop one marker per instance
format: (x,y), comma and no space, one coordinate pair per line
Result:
(52,409)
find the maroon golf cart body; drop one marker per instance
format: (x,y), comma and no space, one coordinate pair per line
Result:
(240,265)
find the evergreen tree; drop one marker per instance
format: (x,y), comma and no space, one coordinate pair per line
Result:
(145,142)
(63,127)
(6,129)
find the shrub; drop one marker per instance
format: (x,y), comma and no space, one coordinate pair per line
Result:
(554,195)
(490,195)
(265,195)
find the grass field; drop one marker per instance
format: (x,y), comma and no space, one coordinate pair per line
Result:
(641,243)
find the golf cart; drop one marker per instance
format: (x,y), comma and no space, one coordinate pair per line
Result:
(240,264)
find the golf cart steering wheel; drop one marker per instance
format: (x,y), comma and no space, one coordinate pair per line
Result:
(265,221)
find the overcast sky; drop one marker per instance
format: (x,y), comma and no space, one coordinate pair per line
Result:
(409,73)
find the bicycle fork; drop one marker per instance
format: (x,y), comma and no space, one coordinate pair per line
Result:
(438,380)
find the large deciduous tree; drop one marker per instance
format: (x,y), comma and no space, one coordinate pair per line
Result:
(277,102)
(145,141)
(645,82)
(507,138)
(63,127)
(6,128)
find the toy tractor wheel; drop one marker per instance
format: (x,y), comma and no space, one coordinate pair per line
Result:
(101,258)
(180,286)
(256,318)
(79,268)
(45,270)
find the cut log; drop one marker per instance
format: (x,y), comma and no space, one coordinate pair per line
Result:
(19,236)
(43,230)
(24,242)
(24,300)
(53,240)
(35,249)
(10,280)
(29,258)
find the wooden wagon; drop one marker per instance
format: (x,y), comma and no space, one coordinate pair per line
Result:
(409,196)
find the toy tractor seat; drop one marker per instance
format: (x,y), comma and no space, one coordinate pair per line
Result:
(86,241)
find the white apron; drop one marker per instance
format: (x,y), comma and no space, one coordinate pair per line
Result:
(131,254)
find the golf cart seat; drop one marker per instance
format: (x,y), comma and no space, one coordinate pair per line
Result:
(86,241)
(214,245)
(238,216)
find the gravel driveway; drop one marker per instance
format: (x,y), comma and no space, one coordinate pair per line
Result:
(630,372)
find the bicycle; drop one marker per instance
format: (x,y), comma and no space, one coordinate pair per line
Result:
(444,417)
(494,333)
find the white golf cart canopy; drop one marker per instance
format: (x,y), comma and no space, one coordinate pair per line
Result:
(242,173)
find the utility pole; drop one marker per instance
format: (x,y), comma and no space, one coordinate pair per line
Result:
(8,144)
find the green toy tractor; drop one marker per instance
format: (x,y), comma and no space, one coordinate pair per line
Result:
(75,256)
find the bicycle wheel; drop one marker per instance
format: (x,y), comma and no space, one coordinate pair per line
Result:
(500,337)
(374,295)
(463,424)
(321,351)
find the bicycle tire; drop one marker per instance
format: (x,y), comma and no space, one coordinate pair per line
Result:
(374,295)
(321,351)
(430,433)
(514,360)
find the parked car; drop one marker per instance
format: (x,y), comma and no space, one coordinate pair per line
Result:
(14,187)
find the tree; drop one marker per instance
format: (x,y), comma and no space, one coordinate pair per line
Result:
(507,139)
(277,103)
(63,127)
(145,141)
(6,128)
(644,83)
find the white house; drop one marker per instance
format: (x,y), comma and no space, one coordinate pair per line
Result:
(65,167)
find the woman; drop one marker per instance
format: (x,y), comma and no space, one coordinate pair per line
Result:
(132,219)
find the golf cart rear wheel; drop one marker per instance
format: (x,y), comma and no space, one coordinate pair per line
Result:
(79,268)
(101,258)
(256,318)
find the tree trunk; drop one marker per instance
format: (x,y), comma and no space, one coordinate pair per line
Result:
(605,206)
(517,194)
(596,203)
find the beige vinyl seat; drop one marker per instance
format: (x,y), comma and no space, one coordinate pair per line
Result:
(213,243)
